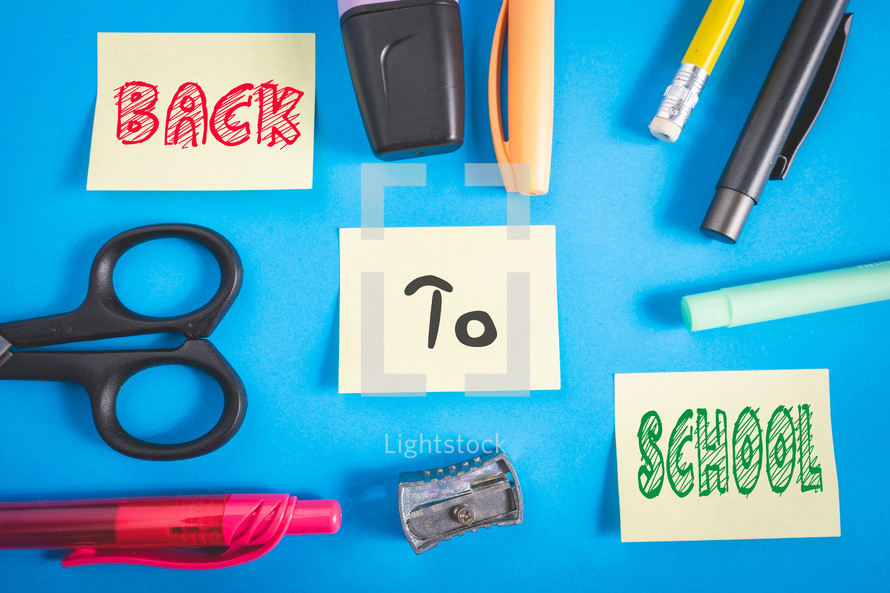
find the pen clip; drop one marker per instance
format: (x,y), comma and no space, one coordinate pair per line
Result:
(814,103)
(181,558)
(495,112)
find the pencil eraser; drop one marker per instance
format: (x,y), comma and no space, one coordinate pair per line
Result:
(665,129)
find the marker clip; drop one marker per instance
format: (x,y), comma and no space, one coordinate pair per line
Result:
(822,84)
(438,504)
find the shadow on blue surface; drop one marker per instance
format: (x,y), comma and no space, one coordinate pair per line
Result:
(662,307)
(330,364)
(371,501)
(609,519)
(76,173)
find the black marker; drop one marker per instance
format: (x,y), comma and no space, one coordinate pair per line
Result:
(407,65)
(806,65)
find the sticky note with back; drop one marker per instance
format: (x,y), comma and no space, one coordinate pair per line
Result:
(725,455)
(468,309)
(203,111)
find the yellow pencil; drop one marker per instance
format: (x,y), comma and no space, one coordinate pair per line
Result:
(682,95)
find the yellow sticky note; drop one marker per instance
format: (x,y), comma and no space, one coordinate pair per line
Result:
(203,111)
(469,309)
(725,455)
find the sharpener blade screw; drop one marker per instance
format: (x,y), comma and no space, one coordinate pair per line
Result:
(464,514)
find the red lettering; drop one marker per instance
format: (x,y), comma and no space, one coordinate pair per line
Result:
(187,122)
(226,131)
(135,121)
(187,116)
(275,121)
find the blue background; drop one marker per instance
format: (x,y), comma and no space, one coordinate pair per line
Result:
(626,209)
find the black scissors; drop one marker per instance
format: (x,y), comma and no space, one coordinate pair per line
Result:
(103,373)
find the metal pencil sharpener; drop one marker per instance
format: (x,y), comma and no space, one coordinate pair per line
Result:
(436,505)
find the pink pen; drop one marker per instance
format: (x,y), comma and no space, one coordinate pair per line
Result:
(183,532)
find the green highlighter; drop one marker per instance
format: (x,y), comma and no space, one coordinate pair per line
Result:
(787,297)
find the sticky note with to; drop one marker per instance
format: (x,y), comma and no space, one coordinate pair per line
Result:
(468,309)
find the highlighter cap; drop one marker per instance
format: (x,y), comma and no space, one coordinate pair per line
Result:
(406,62)
(707,310)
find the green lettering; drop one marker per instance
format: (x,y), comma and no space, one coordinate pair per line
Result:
(810,470)
(780,449)
(747,457)
(713,468)
(651,474)
(680,475)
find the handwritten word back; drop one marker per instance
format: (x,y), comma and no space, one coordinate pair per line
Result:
(725,455)
(186,122)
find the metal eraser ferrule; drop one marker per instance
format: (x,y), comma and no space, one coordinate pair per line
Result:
(682,95)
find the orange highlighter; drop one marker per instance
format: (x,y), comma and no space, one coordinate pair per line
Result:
(524,159)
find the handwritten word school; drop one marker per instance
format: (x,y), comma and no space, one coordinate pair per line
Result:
(786,444)
(187,120)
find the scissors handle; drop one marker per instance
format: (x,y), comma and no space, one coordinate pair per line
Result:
(103,315)
(104,373)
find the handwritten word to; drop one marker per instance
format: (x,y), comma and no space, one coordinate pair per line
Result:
(461,327)
(187,119)
(429,309)
(784,445)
